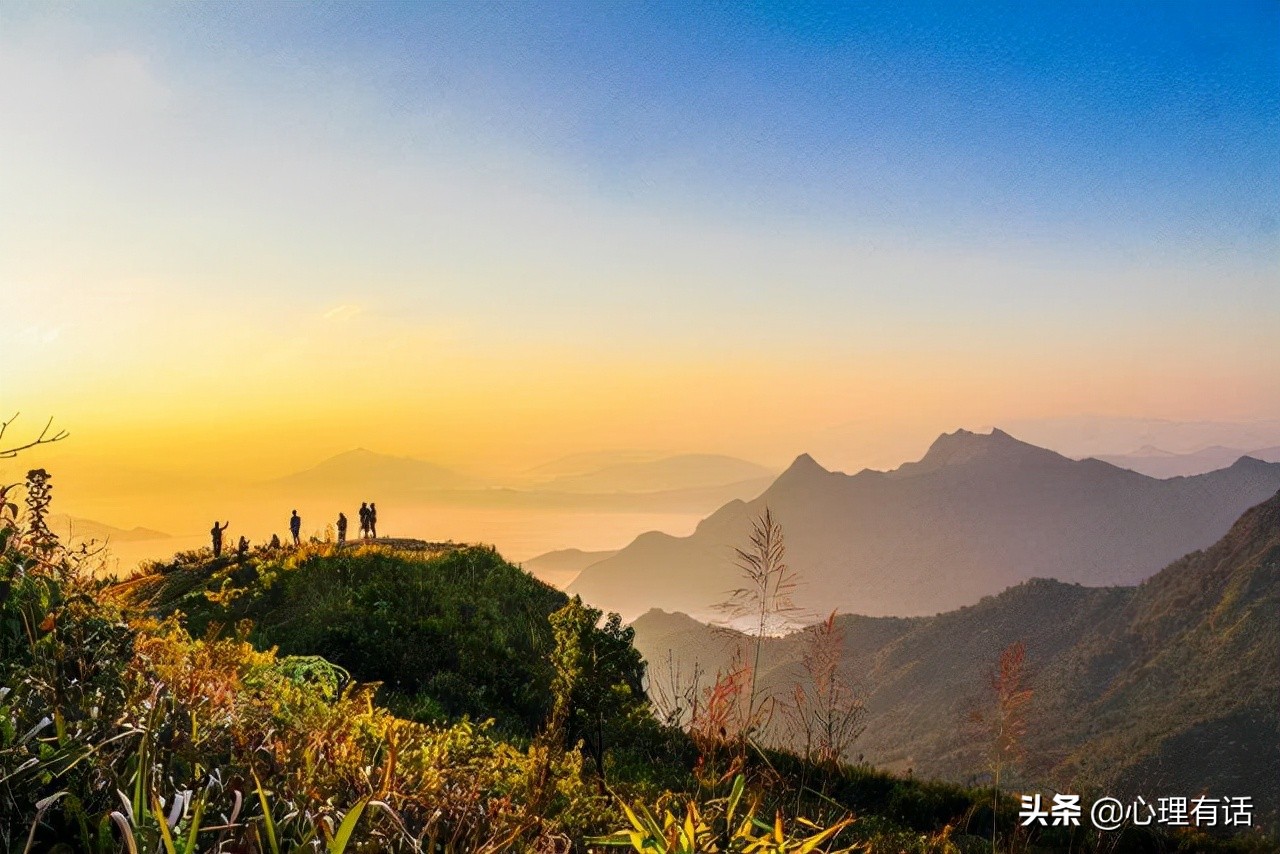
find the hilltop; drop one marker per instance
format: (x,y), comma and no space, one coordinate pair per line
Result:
(448,630)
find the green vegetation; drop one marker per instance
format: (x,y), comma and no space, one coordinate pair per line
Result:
(458,632)
(216,705)
(123,732)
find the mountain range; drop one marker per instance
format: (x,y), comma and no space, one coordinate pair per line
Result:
(361,472)
(977,514)
(1170,687)
(1094,436)
(1153,461)
(73,529)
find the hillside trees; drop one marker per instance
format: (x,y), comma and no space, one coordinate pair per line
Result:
(599,680)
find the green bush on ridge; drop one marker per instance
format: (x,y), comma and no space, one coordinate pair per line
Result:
(458,633)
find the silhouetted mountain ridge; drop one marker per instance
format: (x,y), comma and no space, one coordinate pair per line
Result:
(977,514)
(360,471)
(1155,462)
(75,529)
(964,447)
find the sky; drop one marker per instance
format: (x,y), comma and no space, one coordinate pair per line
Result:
(244,237)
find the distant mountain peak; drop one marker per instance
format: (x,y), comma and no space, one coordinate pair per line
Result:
(804,468)
(805,462)
(1247,462)
(965,446)
(364,453)
(372,470)
(355,455)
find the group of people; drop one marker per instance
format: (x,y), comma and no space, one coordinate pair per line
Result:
(368,522)
(368,528)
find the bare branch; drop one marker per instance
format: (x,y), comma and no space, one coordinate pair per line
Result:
(43,439)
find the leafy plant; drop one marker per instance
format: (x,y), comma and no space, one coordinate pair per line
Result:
(600,680)
(721,825)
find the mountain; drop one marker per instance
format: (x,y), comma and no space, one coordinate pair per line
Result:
(1170,686)
(1092,436)
(360,473)
(686,471)
(1155,462)
(1179,690)
(561,567)
(977,514)
(587,462)
(73,529)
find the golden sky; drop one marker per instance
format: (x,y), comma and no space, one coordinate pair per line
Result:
(229,262)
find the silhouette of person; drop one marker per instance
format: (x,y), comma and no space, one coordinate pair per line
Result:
(275,541)
(342,528)
(216,533)
(295,527)
(373,520)
(242,548)
(364,519)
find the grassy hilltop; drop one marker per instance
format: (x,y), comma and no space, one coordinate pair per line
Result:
(447,630)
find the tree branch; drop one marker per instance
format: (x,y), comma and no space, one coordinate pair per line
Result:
(43,439)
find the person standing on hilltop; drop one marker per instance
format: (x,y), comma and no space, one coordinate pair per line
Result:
(364,519)
(216,533)
(295,527)
(373,520)
(342,528)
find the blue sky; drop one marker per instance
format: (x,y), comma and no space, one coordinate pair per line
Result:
(1123,123)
